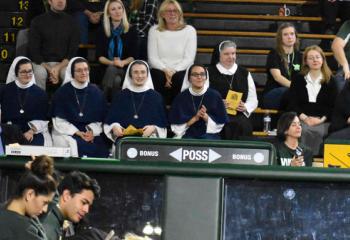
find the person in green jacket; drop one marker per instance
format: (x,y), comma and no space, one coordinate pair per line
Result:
(77,192)
(34,191)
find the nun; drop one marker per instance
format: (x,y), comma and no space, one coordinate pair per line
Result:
(137,106)
(226,76)
(78,110)
(24,105)
(198,111)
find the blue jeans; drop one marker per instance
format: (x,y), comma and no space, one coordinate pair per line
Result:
(272,99)
(83,22)
(339,79)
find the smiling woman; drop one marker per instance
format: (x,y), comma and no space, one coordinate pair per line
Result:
(198,111)
(312,97)
(24,105)
(116,46)
(172,49)
(137,106)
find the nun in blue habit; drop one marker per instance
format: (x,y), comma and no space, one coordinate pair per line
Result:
(78,109)
(198,111)
(25,105)
(138,104)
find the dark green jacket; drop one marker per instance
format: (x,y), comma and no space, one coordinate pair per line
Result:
(53,223)
(15,226)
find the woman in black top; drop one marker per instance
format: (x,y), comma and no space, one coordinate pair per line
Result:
(116,45)
(35,189)
(282,63)
(312,95)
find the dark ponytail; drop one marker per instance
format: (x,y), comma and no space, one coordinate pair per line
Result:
(38,177)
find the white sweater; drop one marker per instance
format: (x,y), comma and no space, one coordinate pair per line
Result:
(175,50)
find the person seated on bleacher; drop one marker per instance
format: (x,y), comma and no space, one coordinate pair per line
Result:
(312,96)
(78,109)
(289,151)
(53,40)
(87,13)
(198,111)
(282,64)
(227,76)
(137,106)
(172,46)
(143,15)
(116,46)
(340,122)
(24,105)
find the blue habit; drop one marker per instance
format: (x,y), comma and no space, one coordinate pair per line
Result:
(149,108)
(92,104)
(185,106)
(34,103)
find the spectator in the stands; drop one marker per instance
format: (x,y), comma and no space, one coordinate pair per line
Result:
(340,123)
(88,15)
(330,10)
(172,46)
(198,111)
(227,77)
(53,40)
(137,106)
(143,15)
(34,190)
(116,46)
(282,64)
(289,151)
(341,51)
(312,96)
(78,110)
(24,105)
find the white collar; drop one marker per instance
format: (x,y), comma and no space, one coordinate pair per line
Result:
(24,86)
(226,71)
(78,85)
(309,79)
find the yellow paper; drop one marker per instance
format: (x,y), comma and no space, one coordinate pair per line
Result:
(233,99)
(132,131)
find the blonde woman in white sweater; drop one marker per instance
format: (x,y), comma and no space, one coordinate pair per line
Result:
(172,47)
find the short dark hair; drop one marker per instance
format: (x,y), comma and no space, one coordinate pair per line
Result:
(284,123)
(78,60)
(196,65)
(38,177)
(20,63)
(77,181)
(137,62)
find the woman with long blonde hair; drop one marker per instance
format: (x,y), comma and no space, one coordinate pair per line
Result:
(116,45)
(172,47)
(312,97)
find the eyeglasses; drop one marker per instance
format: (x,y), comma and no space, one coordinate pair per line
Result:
(86,70)
(202,74)
(26,72)
(171,11)
(313,58)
